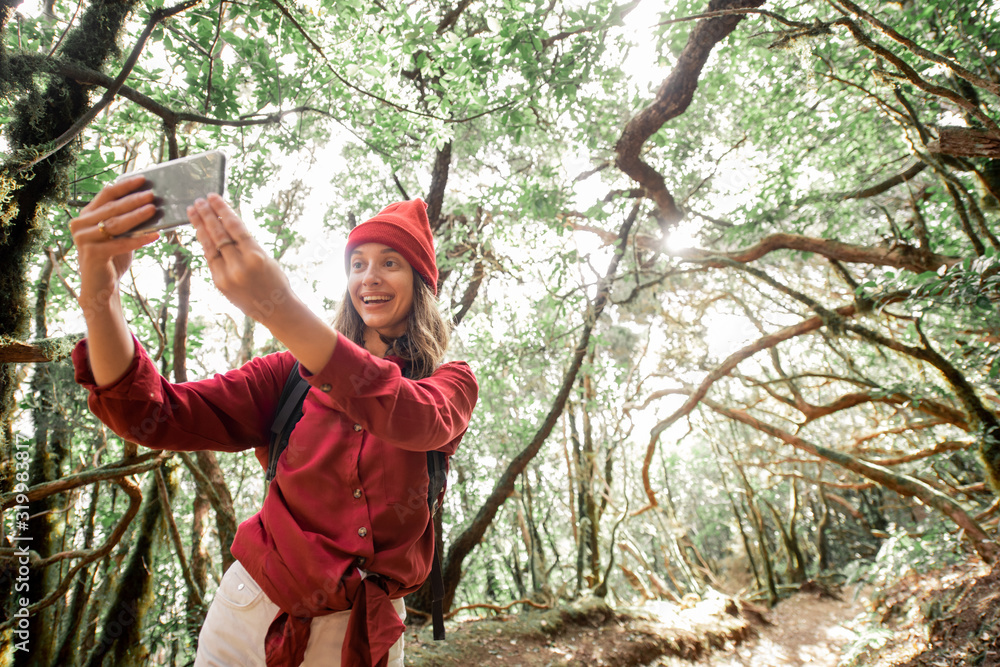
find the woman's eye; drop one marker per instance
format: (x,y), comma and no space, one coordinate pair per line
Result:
(390,263)
(356,265)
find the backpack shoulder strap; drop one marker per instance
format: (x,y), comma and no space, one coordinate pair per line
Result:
(437,476)
(288,413)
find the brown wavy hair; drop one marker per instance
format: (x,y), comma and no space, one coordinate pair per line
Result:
(425,341)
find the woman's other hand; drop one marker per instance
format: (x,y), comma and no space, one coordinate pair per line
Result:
(247,275)
(253,281)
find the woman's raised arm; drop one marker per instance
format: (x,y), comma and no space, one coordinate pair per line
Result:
(104,258)
(253,281)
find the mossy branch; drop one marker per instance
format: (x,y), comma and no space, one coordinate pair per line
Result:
(40,351)
(40,153)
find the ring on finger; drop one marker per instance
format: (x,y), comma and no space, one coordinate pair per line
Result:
(104,231)
(218,248)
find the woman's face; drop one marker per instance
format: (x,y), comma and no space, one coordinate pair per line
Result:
(381,286)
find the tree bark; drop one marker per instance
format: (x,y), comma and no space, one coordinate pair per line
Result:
(965,142)
(121,629)
(38,118)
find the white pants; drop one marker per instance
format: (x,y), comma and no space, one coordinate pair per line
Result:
(241,613)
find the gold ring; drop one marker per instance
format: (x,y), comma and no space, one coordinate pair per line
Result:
(104,231)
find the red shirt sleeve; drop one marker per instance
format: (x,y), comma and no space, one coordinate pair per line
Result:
(416,415)
(228,412)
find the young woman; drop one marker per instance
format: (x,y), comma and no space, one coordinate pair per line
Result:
(323,566)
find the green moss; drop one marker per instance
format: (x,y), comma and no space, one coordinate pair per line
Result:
(58,348)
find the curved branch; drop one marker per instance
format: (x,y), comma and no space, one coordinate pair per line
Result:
(731,362)
(913,77)
(111,471)
(170,117)
(672,99)
(901,484)
(916,49)
(494,607)
(888,183)
(134,494)
(947,446)
(899,256)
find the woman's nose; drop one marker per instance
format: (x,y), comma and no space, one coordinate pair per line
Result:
(371,276)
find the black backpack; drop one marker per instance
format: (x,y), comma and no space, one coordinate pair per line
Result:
(287,416)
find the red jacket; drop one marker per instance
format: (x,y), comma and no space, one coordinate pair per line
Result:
(350,490)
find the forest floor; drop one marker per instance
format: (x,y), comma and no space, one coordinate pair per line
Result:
(944,618)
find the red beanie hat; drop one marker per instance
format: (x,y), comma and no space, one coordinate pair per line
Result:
(402,226)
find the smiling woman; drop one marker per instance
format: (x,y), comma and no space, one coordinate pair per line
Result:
(392,282)
(381,289)
(322,568)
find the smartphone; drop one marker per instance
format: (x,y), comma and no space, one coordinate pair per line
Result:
(176,184)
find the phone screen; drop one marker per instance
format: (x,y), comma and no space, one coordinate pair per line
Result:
(176,184)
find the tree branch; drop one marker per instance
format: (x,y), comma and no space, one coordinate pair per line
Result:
(175,536)
(672,99)
(913,77)
(118,469)
(916,49)
(43,152)
(901,484)
(899,256)
(131,489)
(888,183)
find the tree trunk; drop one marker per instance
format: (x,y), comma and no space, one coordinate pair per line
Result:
(194,609)
(68,644)
(588,476)
(822,546)
(469,538)
(38,118)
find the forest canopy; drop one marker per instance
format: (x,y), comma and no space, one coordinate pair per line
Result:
(727,273)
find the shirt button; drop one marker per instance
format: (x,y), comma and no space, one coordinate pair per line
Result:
(241,587)
(357,427)
(362,531)
(326,387)
(357,493)
(361,561)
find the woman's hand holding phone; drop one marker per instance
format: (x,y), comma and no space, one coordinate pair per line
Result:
(104,258)
(104,255)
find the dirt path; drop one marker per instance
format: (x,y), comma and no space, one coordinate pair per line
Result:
(806,630)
